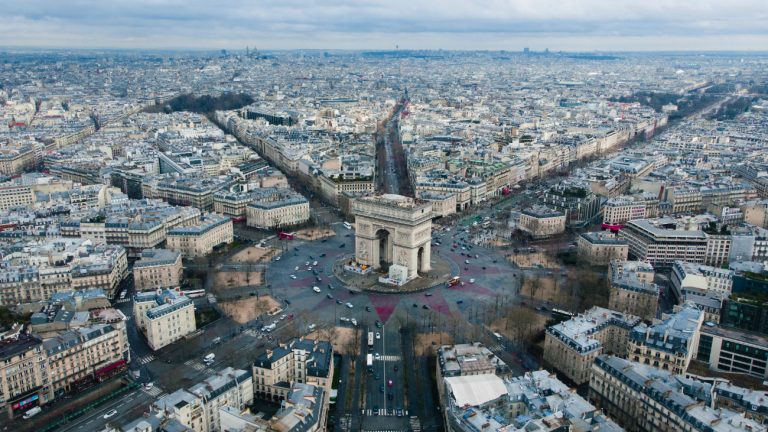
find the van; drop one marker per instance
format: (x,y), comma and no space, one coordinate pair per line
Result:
(209,358)
(33,412)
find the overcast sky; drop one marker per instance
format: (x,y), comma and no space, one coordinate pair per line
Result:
(571,25)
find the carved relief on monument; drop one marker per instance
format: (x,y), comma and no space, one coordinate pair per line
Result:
(402,236)
(364,228)
(402,258)
(362,249)
(423,234)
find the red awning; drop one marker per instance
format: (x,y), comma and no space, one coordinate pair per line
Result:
(110,367)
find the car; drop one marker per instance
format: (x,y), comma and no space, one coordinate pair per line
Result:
(466,261)
(296,268)
(377,356)
(338,301)
(109,414)
(353,321)
(399,412)
(381,388)
(424,307)
(341,246)
(330,296)
(306,263)
(314,263)
(471,281)
(293,276)
(318,278)
(311,257)
(309,268)
(459,301)
(290,316)
(367,308)
(415,305)
(390,396)
(283,316)
(322,255)
(396,368)
(277,258)
(378,324)
(376,409)
(350,305)
(378,335)
(149,385)
(287,301)
(428,294)
(316,289)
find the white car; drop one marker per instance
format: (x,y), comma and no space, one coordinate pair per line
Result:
(314,263)
(377,356)
(378,335)
(471,281)
(306,263)
(316,289)
(296,268)
(353,321)
(282,317)
(293,276)
(277,259)
(350,305)
(466,261)
(111,413)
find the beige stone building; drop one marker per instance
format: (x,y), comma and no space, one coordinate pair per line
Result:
(443,204)
(164,316)
(601,247)
(80,357)
(104,270)
(571,346)
(284,212)
(200,239)
(669,344)
(541,221)
(157,268)
(632,290)
(24,381)
(18,158)
(300,360)
(16,196)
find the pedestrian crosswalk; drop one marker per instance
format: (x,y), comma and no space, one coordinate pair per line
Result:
(415,424)
(496,348)
(196,365)
(390,358)
(154,392)
(123,300)
(381,412)
(146,359)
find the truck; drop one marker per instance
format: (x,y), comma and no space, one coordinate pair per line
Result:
(209,358)
(33,412)
(370,340)
(369,362)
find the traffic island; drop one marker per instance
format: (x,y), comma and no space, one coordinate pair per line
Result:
(439,274)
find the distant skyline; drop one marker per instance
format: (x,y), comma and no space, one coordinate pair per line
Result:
(568,25)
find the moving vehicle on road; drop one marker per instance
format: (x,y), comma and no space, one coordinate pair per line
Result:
(109,414)
(454,281)
(347,225)
(370,340)
(350,305)
(33,412)
(211,357)
(316,289)
(369,361)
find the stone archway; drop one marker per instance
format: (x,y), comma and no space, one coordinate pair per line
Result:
(393,229)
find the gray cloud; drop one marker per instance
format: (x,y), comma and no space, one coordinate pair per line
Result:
(468,24)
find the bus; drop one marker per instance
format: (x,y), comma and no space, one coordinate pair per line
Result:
(194,293)
(369,362)
(347,225)
(454,281)
(370,341)
(562,315)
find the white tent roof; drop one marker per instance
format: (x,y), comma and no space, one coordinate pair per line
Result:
(474,390)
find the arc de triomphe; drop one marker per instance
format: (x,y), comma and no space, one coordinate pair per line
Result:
(393,229)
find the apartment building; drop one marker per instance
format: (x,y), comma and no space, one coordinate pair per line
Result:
(105,270)
(690,278)
(24,381)
(164,316)
(227,388)
(541,221)
(633,293)
(16,196)
(200,239)
(643,398)
(571,346)
(669,344)
(300,360)
(199,407)
(16,159)
(285,211)
(620,210)
(469,359)
(640,270)
(443,204)
(600,248)
(76,359)
(535,401)
(157,268)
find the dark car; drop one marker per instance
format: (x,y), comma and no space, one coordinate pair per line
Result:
(381,388)
(322,255)
(396,368)
(415,305)
(424,307)
(341,246)
(375,410)
(287,302)
(399,412)
(459,301)
(338,301)
(368,308)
